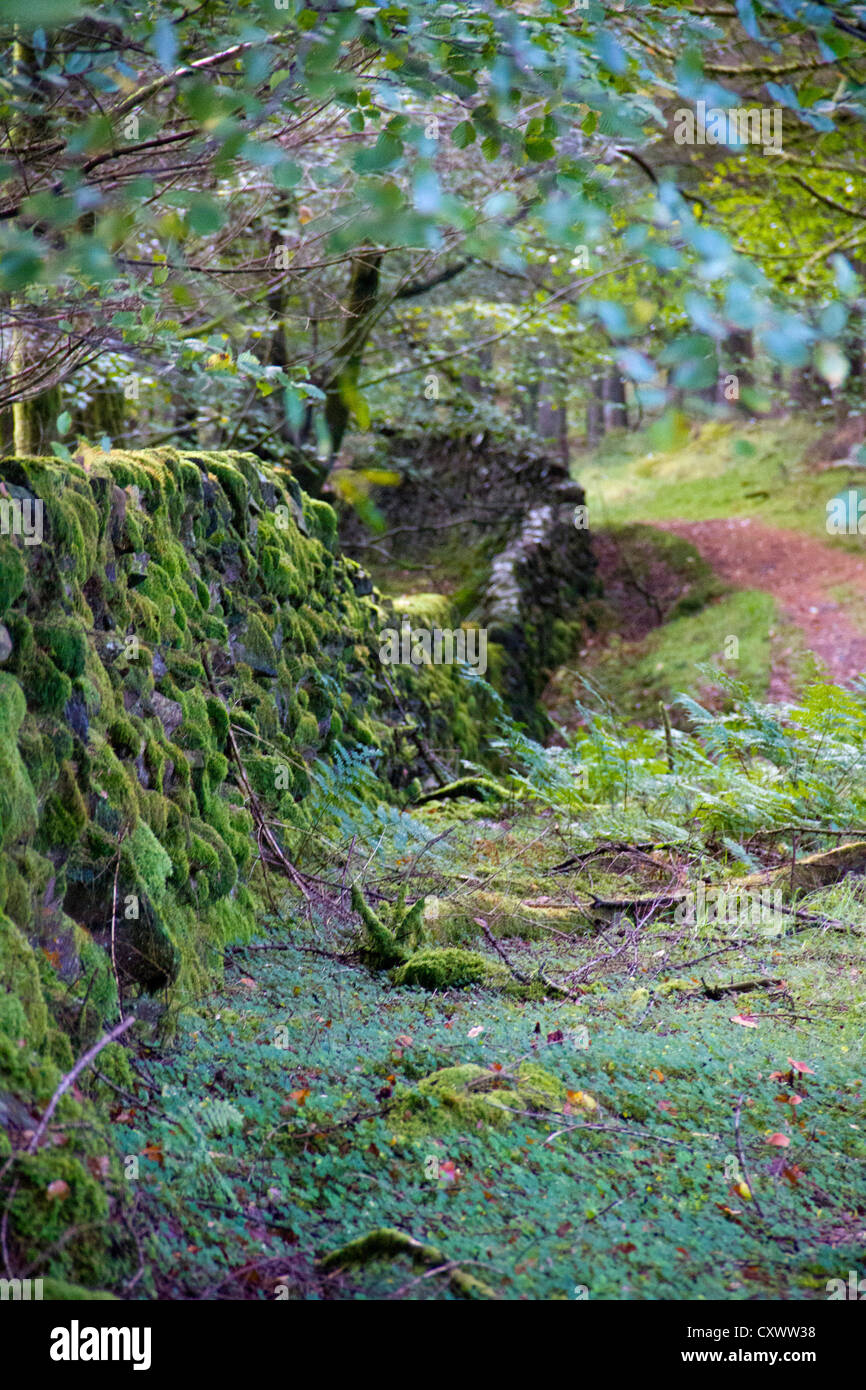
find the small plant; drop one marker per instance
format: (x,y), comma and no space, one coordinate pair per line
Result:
(391,944)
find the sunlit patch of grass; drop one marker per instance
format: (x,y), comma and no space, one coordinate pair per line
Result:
(743,469)
(635,676)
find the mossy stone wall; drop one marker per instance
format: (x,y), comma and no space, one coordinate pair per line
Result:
(161,610)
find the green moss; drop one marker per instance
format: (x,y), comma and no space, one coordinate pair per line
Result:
(148,951)
(449,968)
(13,575)
(111,777)
(20,629)
(59,1291)
(97,981)
(469,1095)
(47,688)
(219,864)
(16,898)
(219,719)
(19,976)
(477,788)
(17,798)
(307,731)
(322,520)
(65,643)
(13,1019)
(125,737)
(146,861)
(115,1065)
(74,530)
(64,814)
(69,1219)
(59,1049)
(235,485)
(37,751)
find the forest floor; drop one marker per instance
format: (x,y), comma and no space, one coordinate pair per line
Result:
(685,1121)
(637,1104)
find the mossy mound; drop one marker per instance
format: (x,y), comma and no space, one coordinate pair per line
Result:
(469,1095)
(476,788)
(57,1291)
(449,967)
(387,1243)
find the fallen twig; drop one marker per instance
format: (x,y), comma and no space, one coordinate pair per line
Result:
(744,987)
(64,1085)
(742,1157)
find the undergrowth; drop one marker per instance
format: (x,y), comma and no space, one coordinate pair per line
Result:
(681,1117)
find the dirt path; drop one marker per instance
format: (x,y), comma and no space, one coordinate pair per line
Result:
(799,572)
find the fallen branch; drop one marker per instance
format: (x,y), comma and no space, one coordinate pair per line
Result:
(806,830)
(522,979)
(638,850)
(744,987)
(68,1080)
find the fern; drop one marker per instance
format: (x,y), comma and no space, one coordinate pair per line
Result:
(755,767)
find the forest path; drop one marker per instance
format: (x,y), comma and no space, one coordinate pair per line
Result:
(801,573)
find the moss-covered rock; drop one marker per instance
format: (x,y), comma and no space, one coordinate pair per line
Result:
(469,1095)
(449,967)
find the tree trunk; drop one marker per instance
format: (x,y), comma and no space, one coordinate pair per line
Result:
(33,420)
(105,414)
(34,423)
(615,412)
(595,412)
(736,358)
(360,306)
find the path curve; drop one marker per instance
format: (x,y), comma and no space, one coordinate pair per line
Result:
(799,572)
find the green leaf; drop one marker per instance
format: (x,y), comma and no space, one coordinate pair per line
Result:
(386,152)
(30,14)
(463,134)
(286,174)
(19,267)
(63,422)
(426,192)
(204,215)
(539,150)
(165,44)
(670,432)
